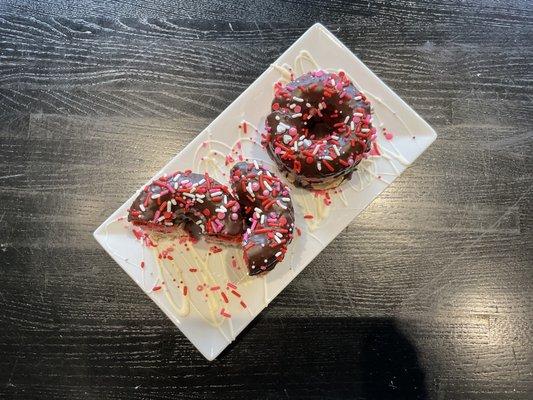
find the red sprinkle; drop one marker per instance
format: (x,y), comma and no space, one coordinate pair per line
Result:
(224,313)
(185,290)
(231,285)
(224,297)
(243,304)
(156,288)
(192,270)
(215,288)
(308,216)
(236,293)
(215,249)
(142,264)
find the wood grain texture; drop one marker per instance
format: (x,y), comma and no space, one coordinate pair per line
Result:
(426,295)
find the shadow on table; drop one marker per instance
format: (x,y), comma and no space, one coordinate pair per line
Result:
(330,358)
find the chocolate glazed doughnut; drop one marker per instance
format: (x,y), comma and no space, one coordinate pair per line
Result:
(198,202)
(269,215)
(319,129)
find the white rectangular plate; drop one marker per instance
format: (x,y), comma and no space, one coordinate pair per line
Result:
(199,317)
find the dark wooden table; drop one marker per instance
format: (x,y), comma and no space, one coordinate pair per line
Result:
(426,295)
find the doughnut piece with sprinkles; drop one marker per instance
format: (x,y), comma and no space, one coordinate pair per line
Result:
(197,202)
(269,215)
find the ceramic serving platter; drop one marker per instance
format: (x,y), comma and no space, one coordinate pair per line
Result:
(203,287)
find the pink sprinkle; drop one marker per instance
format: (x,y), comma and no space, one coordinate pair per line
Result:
(389,136)
(255,186)
(234,216)
(266,192)
(319,73)
(235,208)
(221,215)
(277,150)
(292,131)
(296,109)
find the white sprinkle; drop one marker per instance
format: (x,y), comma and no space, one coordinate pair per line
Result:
(328,158)
(199,222)
(279,253)
(174,202)
(297,115)
(169,206)
(193,189)
(298,99)
(216,194)
(319,165)
(365,130)
(334,137)
(332,81)
(320,106)
(225,199)
(281,204)
(141,206)
(307,142)
(249,189)
(175,179)
(309,117)
(279,234)
(200,201)
(282,127)
(192,196)
(160,219)
(346,119)
(295,146)
(269,174)
(292,106)
(155,196)
(286,199)
(336,150)
(308,105)
(277,239)
(256,165)
(263,217)
(357,98)
(168,223)
(201,182)
(315,150)
(358,114)
(200,196)
(224,209)
(258,210)
(352,126)
(287,139)
(268,186)
(302,137)
(277,118)
(185,181)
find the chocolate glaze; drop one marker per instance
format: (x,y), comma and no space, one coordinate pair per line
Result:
(198,203)
(269,215)
(309,111)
